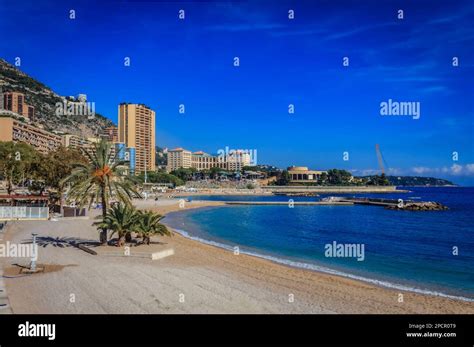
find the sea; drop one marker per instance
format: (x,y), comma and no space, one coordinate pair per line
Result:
(429,252)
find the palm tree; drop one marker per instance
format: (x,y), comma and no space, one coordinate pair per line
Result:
(100,180)
(121,219)
(148,224)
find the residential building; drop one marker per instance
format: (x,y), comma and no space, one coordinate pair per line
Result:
(15,102)
(136,129)
(74,141)
(179,158)
(12,129)
(111,133)
(77,142)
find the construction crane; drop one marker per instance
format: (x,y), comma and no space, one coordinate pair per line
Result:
(380,158)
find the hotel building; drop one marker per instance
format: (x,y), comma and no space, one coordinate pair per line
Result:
(182,158)
(203,161)
(136,129)
(15,102)
(15,130)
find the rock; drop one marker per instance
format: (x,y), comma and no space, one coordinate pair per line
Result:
(420,206)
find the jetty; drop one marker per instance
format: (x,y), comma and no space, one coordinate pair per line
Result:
(394,204)
(368,201)
(286,203)
(304,194)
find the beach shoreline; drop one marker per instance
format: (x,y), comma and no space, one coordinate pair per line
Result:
(289,264)
(270,190)
(213,279)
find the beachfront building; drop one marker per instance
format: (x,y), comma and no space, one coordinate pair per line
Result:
(136,129)
(182,158)
(12,129)
(301,174)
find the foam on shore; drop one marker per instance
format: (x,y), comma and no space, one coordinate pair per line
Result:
(313,267)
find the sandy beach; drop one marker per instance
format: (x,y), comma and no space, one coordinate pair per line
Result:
(198,278)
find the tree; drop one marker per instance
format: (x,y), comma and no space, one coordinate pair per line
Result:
(382,180)
(16,160)
(185,174)
(121,219)
(55,166)
(284,179)
(214,172)
(148,224)
(99,180)
(338,177)
(161,177)
(323,178)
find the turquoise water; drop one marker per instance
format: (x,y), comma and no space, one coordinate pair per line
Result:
(407,250)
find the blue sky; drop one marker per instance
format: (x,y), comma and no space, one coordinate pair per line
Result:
(282,62)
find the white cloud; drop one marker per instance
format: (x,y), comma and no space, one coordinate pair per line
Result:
(470,168)
(454,170)
(394,171)
(422,170)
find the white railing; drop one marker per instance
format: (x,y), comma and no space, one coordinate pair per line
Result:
(23,212)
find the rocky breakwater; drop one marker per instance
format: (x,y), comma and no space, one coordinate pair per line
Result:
(419,206)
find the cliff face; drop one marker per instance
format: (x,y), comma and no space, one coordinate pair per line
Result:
(44,101)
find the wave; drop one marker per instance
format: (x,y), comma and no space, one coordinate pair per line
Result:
(318,268)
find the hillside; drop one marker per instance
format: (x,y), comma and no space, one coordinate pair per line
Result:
(416,181)
(44,101)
